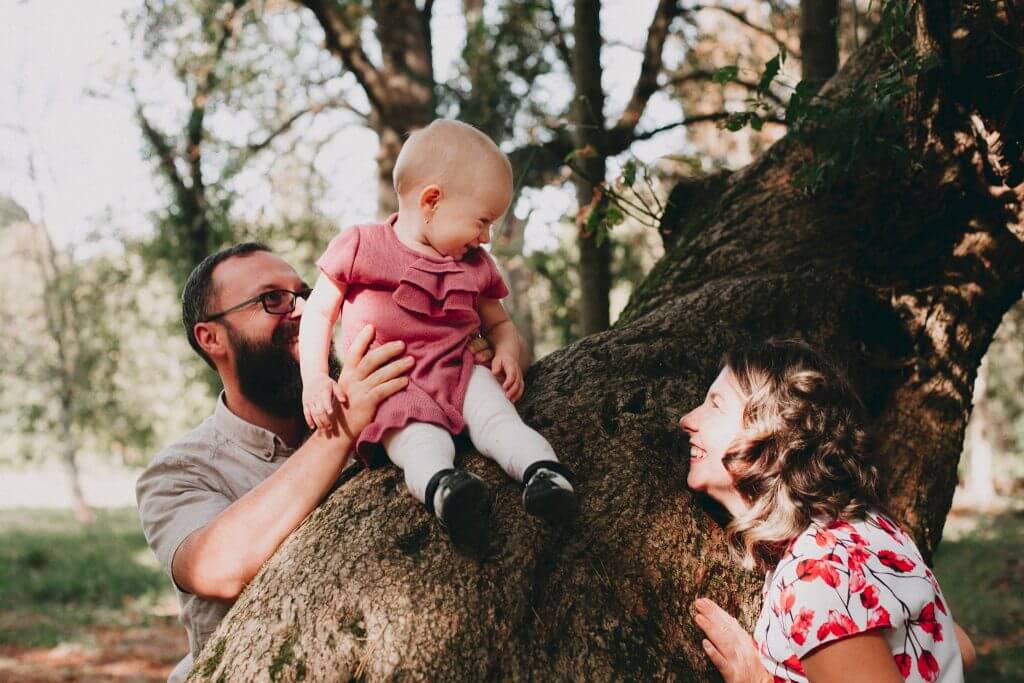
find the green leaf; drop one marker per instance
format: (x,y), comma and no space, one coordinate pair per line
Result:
(726,74)
(736,121)
(771,70)
(629,173)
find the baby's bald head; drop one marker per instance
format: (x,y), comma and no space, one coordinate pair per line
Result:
(453,155)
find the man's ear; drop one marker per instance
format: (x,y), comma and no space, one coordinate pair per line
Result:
(212,339)
(430,197)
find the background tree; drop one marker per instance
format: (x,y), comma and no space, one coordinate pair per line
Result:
(903,270)
(66,372)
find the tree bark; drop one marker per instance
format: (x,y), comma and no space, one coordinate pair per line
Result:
(589,129)
(903,273)
(819,39)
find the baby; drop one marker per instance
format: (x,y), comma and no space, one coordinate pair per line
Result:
(423,278)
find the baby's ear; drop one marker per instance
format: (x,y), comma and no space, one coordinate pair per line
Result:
(430,197)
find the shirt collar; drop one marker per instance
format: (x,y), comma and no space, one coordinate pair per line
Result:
(262,443)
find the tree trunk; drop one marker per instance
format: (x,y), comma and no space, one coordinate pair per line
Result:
(903,273)
(819,39)
(590,162)
(69,456)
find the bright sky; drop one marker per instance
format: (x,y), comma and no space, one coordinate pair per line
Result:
(53,53)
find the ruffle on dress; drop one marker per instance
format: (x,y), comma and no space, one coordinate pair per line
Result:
(436,288)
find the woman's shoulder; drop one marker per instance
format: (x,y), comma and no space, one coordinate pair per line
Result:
(851,555)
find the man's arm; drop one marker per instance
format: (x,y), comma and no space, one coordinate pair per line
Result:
(218,560)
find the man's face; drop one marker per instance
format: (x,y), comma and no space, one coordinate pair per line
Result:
(263,347)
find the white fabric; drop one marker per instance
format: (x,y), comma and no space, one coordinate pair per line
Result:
(421,449)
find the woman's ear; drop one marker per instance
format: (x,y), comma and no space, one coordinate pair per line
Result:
(430,197)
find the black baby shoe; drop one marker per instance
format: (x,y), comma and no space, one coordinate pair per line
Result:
(459,500)
(548,492)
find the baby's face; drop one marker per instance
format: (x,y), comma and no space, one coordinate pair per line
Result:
(463,220)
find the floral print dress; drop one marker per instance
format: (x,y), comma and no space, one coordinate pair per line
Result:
(838,579)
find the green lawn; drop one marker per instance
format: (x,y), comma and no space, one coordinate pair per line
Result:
(58,577)
(980,565)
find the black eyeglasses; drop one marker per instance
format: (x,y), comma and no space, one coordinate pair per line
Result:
(275,302)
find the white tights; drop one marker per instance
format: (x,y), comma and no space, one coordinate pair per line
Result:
(422,449)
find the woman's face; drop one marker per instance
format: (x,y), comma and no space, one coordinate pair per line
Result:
(712,426)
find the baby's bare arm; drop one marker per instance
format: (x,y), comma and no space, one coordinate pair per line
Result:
(317,326)
(501,332)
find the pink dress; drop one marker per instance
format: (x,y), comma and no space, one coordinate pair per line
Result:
(430,303)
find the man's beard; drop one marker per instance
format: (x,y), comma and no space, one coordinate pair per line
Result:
(269,375)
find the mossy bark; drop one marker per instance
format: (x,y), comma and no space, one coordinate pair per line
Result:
(903,272)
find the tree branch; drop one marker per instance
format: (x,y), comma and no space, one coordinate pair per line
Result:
(742,18)
(344,42)
(706,75)
(558,35)
(647,82)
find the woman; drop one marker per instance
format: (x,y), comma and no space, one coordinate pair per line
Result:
(779,442)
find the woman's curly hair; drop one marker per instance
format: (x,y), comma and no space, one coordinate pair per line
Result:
(803,451)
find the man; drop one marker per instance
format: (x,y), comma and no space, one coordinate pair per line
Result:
(218,502)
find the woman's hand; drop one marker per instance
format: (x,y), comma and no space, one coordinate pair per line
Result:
(367,379)
(728,646)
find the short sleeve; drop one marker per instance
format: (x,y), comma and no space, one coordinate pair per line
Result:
(337,261)
(828,592)
(494,287)
(174,501)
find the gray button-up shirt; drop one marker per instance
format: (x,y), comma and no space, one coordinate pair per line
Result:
(188,484)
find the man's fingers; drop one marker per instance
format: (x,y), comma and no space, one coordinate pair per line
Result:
(378,357)
(359,346)
(391,370)
(382,391)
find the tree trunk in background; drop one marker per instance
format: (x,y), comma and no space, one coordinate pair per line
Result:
(400,89)
(903,273)
(819,39)
(980,486)
(589,132)
(69,457)
(508,249)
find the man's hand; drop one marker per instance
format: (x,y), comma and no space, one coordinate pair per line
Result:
(318,402)
(505,363)
(367,379)
(728,646)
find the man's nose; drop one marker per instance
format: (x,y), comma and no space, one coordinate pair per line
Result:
(686,422)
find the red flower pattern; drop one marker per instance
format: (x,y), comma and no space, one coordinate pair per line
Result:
(808,599)
(900,563)
(927,666)
(824,569)
(903,663)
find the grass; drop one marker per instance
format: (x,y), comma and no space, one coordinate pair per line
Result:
(980,566)
(58,577)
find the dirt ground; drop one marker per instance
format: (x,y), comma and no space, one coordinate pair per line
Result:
(125,654)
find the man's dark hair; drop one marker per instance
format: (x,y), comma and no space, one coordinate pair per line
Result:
(199,290)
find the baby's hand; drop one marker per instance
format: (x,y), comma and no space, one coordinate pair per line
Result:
(318,400)
(505,362)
